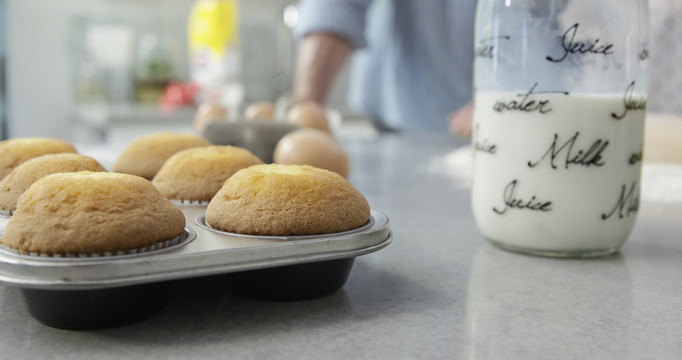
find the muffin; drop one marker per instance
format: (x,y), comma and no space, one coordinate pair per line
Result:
(197,174)
(287,200)
(90,213)
(14,184)
(13,152)
(145,155)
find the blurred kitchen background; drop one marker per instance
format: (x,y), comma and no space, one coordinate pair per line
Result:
(3,92)
(90,70)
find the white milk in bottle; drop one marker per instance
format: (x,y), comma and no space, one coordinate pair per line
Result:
(556,172)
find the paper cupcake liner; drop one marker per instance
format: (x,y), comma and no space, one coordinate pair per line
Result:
(182,202)
(180,240)
(203,223)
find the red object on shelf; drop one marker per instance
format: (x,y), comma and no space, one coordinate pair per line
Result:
(177,95)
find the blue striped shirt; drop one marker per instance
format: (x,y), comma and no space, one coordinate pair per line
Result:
(414,61)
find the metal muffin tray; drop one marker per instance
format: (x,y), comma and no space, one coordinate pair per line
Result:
(105,291)
(258,136)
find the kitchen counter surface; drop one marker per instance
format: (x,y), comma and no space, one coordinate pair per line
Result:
(438,291)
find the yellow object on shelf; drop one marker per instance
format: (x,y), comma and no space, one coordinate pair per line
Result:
(214,25)
(214,50)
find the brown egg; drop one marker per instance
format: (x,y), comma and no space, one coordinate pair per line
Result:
(308,115)
(208,112)
(312,147)
(261,110)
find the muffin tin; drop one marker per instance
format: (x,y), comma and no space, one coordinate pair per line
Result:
(106,291)
(258,136)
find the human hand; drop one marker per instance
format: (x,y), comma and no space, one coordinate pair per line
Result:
(460,120)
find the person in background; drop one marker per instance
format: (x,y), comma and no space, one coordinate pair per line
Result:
(412,60)
(665,74)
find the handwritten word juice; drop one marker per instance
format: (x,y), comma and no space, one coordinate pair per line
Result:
(557,173)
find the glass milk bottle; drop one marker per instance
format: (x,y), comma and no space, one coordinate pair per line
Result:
(559,106)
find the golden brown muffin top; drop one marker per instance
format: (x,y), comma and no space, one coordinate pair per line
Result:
(14,184)
(13,152)
(286,200)
(91,212)
(145,155)
(198,173)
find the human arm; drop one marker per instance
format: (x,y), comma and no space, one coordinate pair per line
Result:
(320,58)
(328,33)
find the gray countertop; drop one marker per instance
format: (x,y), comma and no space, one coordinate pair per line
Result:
(438,291)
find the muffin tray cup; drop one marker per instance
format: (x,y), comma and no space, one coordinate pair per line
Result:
(258,136)
(111,290)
